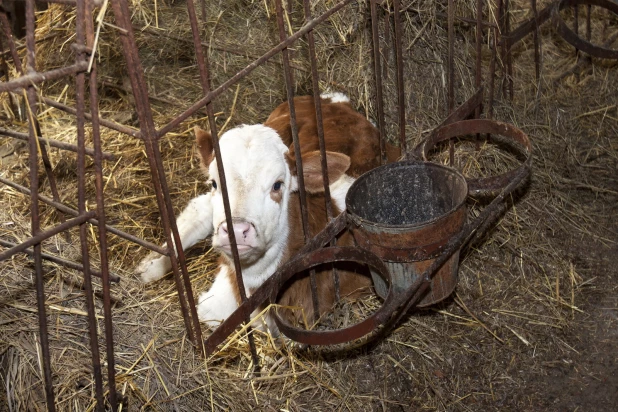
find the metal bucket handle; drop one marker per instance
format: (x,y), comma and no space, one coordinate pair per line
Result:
(515,138)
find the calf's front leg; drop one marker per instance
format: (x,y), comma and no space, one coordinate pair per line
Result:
(194,224)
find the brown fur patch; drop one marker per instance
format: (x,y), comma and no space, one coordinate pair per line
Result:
(203,141)
(276,195)
(345,131)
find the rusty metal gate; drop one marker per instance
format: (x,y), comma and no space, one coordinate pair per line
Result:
(84,73)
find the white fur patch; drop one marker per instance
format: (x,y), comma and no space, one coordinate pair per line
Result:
(339,190)
(194,224)
(335,97)
(219,302)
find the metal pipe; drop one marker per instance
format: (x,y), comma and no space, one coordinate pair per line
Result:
(99,190)
(65,209)
(378,78)
(315,81)
(36,77)
(54,143)
(107,123)
(401,105)
(289,83)
(451,71)
(40,236)
(67,263)
(148,134)
(80,87)
(35,220)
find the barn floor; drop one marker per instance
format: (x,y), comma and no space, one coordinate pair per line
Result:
(532,325)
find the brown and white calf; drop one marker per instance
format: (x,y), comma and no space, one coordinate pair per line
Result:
(260,171)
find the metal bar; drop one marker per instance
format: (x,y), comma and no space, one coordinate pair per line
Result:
(471,231)
(492,73)
(528,26)
(582,62)
(204,70)
(107,123)
(451,71)
(40,236)
(478,74)
(603,52)
(465,110)
(287,74)
(45,358)
(503,46)
(5,69)
(54,143)
(36,77)
(148,134)
(588,26)
(387,41)
(65,209)
(67,263)
(32,107)
(184,274)
(99,190)
(375,35)
(537,45)
(80,87)
(249,68)
(398,303)
(401,105)
(6,27)
(509,56)
(315,81)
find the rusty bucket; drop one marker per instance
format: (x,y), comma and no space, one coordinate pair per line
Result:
(405,213)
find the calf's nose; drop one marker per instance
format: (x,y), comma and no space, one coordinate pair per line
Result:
(243,231)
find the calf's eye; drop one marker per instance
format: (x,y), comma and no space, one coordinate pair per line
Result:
(213,184)
(277,186)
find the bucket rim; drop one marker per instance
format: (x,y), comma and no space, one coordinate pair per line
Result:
(360,221)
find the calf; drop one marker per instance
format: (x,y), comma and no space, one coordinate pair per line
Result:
(261,176)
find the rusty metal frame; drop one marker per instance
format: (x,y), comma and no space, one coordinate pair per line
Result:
(26,84)
(318,249)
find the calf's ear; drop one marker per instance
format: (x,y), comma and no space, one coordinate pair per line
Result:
(337,164)
(203,139)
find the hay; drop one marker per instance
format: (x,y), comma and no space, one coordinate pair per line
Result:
(526,291)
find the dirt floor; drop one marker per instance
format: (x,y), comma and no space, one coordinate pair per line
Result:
(531,326)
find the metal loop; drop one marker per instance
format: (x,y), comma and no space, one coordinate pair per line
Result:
(487,186)
(332,337)
(575,40)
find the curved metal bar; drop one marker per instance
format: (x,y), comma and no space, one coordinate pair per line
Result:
(332,337)
(574,39)
(488,185)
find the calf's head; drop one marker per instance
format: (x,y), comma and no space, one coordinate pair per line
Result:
(261,177)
